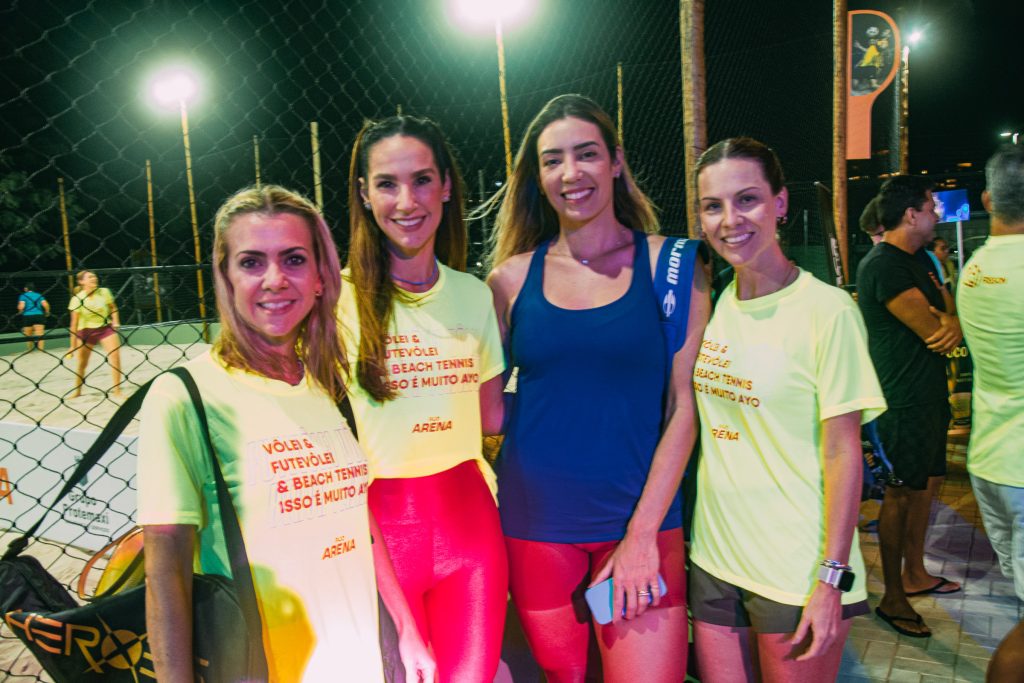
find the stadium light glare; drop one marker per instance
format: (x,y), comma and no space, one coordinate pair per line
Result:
(174,85)
(476,14)
(483,14)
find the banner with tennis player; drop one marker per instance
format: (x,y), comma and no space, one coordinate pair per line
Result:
(874,42)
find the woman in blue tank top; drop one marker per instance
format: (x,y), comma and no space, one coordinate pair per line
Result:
(601,425)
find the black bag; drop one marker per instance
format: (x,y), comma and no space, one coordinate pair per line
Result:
(106,639)
(878,472)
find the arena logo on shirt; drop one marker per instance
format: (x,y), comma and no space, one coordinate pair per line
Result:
(434,424)
(340,546)
(725,433)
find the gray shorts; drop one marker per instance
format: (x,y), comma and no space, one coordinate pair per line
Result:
(718,602)
(1002,510)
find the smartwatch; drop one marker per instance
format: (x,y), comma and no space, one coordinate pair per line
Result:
(836,574)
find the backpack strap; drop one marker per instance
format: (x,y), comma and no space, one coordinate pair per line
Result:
(673,280)
(241,569)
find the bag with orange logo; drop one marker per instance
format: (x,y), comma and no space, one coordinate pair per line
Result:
(105,639)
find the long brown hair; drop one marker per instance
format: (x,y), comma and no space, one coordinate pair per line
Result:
(369,262)
(525,218)
(318,346)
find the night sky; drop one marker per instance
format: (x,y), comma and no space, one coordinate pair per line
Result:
(965,78)
(71,77)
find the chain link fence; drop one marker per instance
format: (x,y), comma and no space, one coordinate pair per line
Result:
(93,176)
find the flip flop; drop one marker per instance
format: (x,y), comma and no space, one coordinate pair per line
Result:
(891,620)
(936,589)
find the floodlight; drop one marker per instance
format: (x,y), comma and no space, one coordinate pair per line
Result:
(485,13)
(173,86)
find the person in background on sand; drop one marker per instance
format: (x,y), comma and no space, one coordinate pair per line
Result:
(33,308)
(274,375)
(784,383)
(94,320)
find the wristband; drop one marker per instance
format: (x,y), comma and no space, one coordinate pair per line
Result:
(836,574)
(833,564)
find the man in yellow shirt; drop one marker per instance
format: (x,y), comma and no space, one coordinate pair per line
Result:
(991,301)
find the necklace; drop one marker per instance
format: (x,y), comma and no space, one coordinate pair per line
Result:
(586,261)
(414,283)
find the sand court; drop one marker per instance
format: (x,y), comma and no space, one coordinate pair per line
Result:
(43,433)
(36,387)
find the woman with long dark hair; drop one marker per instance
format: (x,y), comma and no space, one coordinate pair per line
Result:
(602,423)
(428,360)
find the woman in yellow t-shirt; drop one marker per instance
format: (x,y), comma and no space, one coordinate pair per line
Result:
(427,367)
(783,383)
(94,319)
(270,385)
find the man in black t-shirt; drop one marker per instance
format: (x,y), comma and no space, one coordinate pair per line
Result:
(911,325)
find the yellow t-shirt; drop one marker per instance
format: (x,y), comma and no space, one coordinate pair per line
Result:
(443,345)
(298,480)
(990,299)
(769,371)
(93,309)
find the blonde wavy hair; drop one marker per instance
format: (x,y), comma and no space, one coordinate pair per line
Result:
(318,346)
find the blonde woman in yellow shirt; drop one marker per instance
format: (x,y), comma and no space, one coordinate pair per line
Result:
(94,319)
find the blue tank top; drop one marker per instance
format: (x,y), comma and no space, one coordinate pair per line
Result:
(33,303)
(587,413)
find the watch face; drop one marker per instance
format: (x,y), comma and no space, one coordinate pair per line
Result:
(845,581)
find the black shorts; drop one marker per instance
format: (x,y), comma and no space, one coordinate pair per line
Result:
(914,440)
(31,320)
(719,602)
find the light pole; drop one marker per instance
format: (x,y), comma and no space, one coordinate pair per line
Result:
(904,101)
(478,13)
(177,86)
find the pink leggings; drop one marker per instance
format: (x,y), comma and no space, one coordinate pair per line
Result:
(547,582)
(444,537)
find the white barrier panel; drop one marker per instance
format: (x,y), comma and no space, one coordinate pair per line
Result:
(34,463)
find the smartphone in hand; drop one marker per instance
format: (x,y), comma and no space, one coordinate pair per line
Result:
(599,599)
